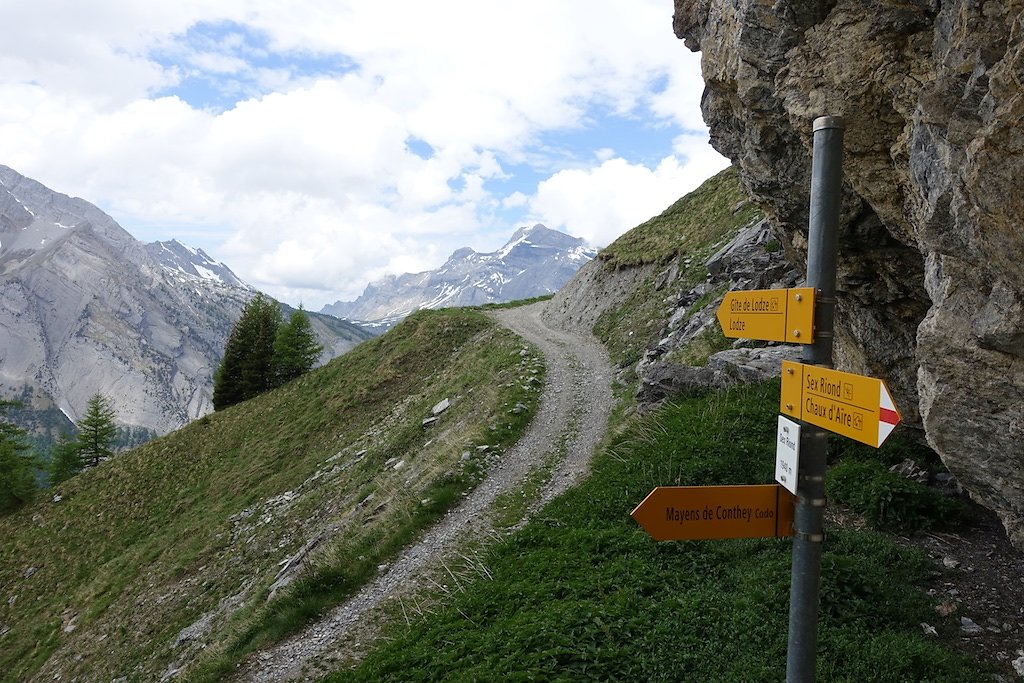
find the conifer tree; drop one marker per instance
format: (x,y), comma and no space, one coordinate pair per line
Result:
(247,368)
(17,465)
(96,431)
(295,348)
(65,459)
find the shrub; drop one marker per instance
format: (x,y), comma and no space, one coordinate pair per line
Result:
(889,501)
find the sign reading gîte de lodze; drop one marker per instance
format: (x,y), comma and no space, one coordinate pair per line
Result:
(783,315)
(852,405)
(691,513)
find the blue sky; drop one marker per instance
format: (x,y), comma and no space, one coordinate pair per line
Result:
(316,147)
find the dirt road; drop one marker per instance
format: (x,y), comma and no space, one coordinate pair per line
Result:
(574,408)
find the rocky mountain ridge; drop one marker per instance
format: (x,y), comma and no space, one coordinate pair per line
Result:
(193,263)
(931,293)
(534,262)
(87,308)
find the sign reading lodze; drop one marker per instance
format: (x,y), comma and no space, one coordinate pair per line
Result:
(852,405)
(784,315)
(690,513)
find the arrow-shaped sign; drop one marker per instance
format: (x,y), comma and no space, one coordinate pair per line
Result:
(852,405)
(784,315)
(687,513)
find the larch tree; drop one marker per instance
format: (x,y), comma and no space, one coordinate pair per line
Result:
(65,459)
(295,348)
(96,431)
(247,368)
(17,465)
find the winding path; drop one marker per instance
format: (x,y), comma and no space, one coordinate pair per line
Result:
(574,408)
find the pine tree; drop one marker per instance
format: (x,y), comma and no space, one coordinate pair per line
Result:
(65,459)
(17,465)
(247,368)
(295,349)
(96,431)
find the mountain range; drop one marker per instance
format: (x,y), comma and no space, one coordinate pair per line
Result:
(87,308)
(534,262)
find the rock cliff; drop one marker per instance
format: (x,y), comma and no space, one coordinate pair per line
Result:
(931,289)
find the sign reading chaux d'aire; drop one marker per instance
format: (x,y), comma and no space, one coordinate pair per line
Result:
(784,315)
(852,405)
(691,513)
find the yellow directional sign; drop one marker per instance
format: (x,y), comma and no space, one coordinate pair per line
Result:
(785,315)
(687,513)
(852,405)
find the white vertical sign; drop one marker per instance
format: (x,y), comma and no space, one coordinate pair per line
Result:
(787,453)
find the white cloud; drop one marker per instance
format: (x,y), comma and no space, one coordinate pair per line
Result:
(602,202)
(514,200)
(307,185)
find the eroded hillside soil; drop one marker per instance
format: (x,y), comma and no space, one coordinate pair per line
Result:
(572,417)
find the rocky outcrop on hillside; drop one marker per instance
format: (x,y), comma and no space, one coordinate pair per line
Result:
(87,308)
(931,291)
(534,262)
(749,261)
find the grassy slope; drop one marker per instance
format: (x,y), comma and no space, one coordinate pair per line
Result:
(583,594)
(687,232)
(697,220)
(142,546)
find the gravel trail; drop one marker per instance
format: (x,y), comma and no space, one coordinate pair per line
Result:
(574,408)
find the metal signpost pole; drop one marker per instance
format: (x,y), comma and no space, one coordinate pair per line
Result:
(808,523)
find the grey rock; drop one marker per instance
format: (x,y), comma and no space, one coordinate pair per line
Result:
(968,626)
(1018,663)
(441,407)
(726,368)
(196,630)
(930,287)
(910,469)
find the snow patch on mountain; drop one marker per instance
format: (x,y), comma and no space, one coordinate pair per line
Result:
(192,262)
(535,261)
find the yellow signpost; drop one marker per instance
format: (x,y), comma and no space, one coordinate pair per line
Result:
(852,405)
(784,315)
(689,513)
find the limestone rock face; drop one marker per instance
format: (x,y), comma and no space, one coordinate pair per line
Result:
(931,283)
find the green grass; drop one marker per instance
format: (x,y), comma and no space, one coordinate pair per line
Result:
(708,342)
(143,546)
(581,593)
(515,304)
(687,233)
(862,481)
(701,217)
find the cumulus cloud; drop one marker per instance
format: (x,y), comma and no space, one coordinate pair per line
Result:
(314,179)
(602,202)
